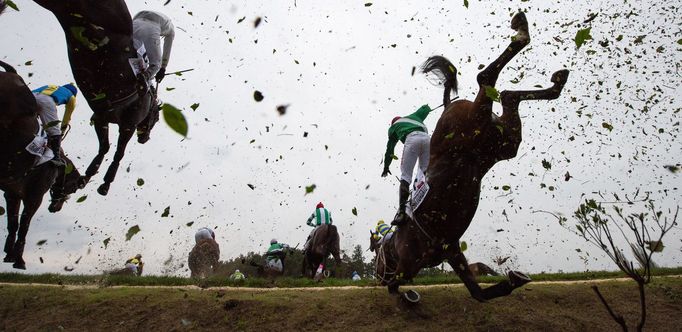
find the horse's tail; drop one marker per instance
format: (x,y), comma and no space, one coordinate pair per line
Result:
(4,65)
(3,6)
(333,241)
(445,71)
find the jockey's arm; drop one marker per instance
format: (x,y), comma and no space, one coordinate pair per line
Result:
(422,112)
(390,147)
(310,220)
(167,45)
(70,107)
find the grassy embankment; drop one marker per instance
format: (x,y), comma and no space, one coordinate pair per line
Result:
(104,280)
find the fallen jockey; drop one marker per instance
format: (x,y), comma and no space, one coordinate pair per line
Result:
(134,264)
(274,257)
(320,217)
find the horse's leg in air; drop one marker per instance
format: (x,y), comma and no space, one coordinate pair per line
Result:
(30,207)
(13,204)
(488,76)
(57,194)
(102,130)
(459,263)
(124,135)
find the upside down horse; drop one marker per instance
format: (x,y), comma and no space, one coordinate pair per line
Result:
(99,43)
(467,141)
(21,179)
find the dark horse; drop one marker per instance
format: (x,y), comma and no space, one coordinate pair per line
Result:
(324,241)
(203,259)
(20,179)
(468,140)
(99,42)
(386,259)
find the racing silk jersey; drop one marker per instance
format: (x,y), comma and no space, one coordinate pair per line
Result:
(61,96)
(321,216)
(275,249)
(403,127)
(167,31)
(237,276)
(383,229)
(133,261)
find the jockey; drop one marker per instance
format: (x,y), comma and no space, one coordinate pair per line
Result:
(204,233)
(274,258)
(412,131)
(356,276)
(320,217)
(237,275)
(148,27)
(384,231)
(135,264)
(48,98)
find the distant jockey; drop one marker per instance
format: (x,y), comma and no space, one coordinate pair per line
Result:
(384,232)
(204,233)
(274,257)
(48,98)
(412,131)
(237,275)
(356,276)
(135,264)
(320,217)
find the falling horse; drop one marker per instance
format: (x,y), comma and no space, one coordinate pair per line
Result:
(468,140)
(20,178)
(323,241)
(99,42)
(203,259)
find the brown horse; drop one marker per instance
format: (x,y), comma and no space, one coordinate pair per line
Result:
(468,140)
(203,259)
(323,241)
(99,42)
(20,179)
(386,259)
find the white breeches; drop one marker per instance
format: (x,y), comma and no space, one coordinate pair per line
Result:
(417,145)
(47,112)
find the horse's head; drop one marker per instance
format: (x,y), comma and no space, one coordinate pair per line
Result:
(373,240)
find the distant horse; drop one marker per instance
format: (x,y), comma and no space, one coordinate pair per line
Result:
(386,256)
(100,42)
(20,179)
(468,140)
(203,259)
(323,242)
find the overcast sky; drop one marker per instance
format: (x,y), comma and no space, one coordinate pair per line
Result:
(344,69)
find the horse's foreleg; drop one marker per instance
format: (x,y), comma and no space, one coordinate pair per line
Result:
(124,135)
(102,130)
(13,204)
(30,208)
(489,75)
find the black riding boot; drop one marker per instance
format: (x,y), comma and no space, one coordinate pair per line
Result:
(55,142)
(401,217)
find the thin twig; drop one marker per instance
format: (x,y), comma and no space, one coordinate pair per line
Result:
(618,318)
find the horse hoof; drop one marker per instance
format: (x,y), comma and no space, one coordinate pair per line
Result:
(103,189)
(411,297)
(55,206)
(518,279)
(8,259)
(519,21)
(560,77)
(82,181)
(19,266)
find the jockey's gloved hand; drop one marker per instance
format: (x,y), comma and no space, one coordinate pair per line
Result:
(160,75)
(385,173)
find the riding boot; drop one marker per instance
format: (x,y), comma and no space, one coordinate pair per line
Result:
(55,142)
(401,217)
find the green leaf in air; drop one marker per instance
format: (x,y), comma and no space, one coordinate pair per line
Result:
(28,63)
(309,189)
(368,4)
(132,231)
(463,246)
(581,36)
(607,126)
(466,3)
(546,164)
(99,96)
(12,5)
(166,212)
(506,188)
(175,119)
(680,41)
(492,93)
(450,135)
(68,169)
(82,199)
(194,106)
(190,223)
(41,242)
(140,182)
(354,211)
(106,242)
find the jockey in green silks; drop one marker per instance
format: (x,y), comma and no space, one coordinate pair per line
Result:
(412,131)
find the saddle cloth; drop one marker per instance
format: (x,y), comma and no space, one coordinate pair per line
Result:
(38,147)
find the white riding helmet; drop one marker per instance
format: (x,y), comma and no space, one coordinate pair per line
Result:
(273,241)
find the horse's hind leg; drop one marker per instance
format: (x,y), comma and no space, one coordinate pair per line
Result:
(124,135)
(102,130)
(13,204)
(504,288)
(30,207)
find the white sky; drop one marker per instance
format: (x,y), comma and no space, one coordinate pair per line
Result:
(349,82)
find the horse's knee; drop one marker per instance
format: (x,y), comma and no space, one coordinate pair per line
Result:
(103,149)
